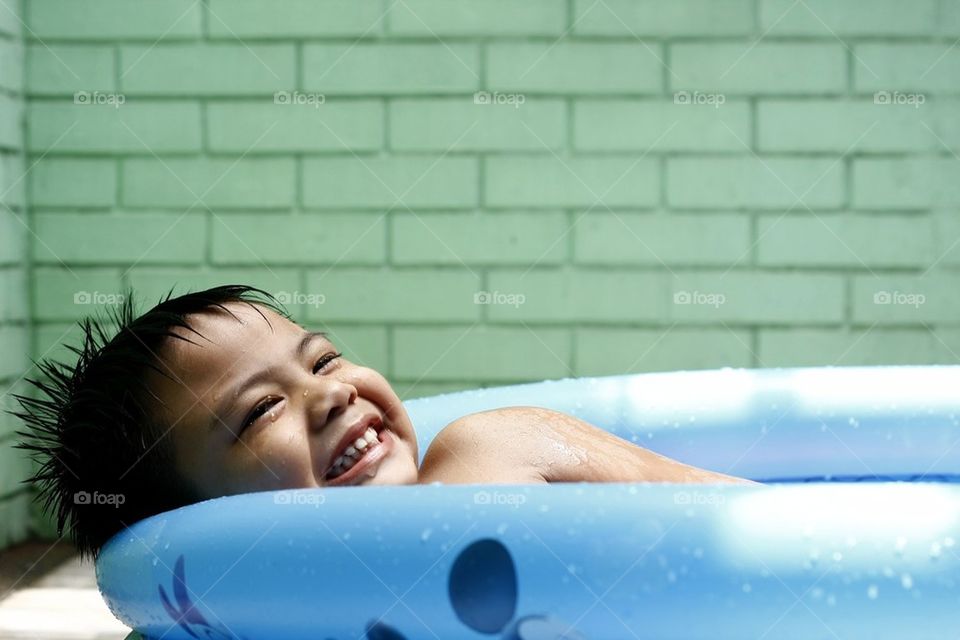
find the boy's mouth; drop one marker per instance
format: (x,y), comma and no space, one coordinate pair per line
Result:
(361,444)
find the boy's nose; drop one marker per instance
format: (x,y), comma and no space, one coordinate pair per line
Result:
(327,403)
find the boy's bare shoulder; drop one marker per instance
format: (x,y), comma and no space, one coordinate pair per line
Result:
(492,446)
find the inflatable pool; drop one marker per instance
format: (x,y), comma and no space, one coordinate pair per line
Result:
(854,536)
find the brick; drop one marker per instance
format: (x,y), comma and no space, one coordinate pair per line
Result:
(145,128)
(233,19)
(241,183)
(207,69)
(540,181)
(385,295)
(153,283)
(756,298)
(946,345)
(11,63)
(460,124)
(831,126)
(268,127)
(471,18)
(907,299)
(395,182)
(11,121)
(650,18)
(254,238)
(73,183)
(767,68)
(364,346)
(373,68)
(562,295)
(60,294)
(947,238)
(719,183)
(15,516)
(844,240)
(909,183)
(479,352)
(818,347)
(92,238)
(66,69)
(14,300)
(603,237)
(480,238)
(576,67)
(13,178)
(14,344)
(621,125)
(852,18)
(14,465)
(906,67)
(13,237)
(10,22)
(613,351)
(410,389)
(113,19)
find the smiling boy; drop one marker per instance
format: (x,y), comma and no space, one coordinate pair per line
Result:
(219,392)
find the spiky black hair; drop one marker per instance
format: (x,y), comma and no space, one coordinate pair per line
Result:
(104,461)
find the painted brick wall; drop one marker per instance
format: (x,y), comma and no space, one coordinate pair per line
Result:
(643,186)
(14,274)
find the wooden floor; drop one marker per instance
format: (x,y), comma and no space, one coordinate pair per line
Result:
(47,594)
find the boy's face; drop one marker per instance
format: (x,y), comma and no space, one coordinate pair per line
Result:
(309,400)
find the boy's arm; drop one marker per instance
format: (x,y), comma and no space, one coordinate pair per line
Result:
(533,444)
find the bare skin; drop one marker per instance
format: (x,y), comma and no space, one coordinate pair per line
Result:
(305,403)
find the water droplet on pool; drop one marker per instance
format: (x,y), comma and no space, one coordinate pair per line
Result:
(935,550)
(544,508)
(837,556)
(872,592)
(502,528)
(425,535)
(746,587)
(155,561)
(853,422)
(831,600)
(906,580)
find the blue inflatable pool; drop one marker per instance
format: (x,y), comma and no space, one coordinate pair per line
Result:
(854,536)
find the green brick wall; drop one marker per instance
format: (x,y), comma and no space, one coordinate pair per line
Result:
(642,186)
(14,277)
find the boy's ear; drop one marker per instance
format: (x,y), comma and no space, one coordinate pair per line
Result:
(483,586)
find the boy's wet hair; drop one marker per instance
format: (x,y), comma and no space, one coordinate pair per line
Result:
(105,458)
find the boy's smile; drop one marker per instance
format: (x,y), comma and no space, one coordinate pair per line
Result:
(261,407)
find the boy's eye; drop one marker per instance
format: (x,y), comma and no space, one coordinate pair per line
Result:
(262,408)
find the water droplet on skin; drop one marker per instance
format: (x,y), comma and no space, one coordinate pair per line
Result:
(305,392)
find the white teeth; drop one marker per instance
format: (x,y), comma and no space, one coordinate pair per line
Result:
(353,453)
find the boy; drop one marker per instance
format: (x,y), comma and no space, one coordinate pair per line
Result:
(218,392)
